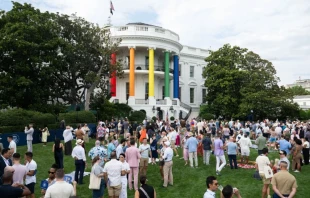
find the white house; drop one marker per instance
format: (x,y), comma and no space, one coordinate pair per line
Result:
(303,101)
(161,76)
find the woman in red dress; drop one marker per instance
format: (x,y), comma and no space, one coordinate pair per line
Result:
(200,148)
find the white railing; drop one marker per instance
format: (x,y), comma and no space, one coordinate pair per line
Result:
(141,101)
(174,102)
(161,102)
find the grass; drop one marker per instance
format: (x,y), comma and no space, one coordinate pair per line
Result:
(188,182)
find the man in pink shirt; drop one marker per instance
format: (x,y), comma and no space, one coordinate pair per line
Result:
(132,158)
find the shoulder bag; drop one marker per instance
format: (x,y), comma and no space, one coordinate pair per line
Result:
(144,192)
(94,181)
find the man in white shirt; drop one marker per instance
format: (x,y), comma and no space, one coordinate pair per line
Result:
(12,144)
(67,134)
(172,136)
(245,144)
(60,189)
(168,155)
(31,167)
(29,132)
(78,154)
(212,185)
(261,162)
(119,148)
(113,170)
(278,131)
(145,152)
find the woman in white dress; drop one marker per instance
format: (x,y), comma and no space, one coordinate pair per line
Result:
(124,178)
(45,133)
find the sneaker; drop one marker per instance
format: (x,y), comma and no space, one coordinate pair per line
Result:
(218,173)
(268,196)
(177,155)
(296,171)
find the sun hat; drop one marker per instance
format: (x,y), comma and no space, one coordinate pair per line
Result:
(79,141)
(190,134)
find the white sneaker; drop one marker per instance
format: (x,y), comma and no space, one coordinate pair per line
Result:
(296,171)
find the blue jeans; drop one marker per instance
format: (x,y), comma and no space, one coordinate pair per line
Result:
(233,158)
(79,170)
(99,193)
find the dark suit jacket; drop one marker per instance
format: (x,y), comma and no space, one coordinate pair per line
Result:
(2,166)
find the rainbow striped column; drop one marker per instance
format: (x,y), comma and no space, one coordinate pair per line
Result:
(176,76)
(167,85)
(151,73)
(113,76)
(132,72)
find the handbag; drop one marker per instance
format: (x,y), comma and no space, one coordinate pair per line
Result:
(268,172)
(94,182)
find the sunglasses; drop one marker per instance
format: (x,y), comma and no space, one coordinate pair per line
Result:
(49,172)
(216,184)
(281,153)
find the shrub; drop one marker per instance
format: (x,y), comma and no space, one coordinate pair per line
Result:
(78,117)
(154,118)
(207,116)
(138,116)
(171,118)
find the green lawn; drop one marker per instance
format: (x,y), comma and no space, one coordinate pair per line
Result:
(188,182)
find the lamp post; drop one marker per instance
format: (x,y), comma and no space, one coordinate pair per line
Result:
(153,109)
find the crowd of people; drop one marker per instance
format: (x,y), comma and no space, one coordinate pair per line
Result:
(123,151)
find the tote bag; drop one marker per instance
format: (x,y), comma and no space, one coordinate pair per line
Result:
(94,181)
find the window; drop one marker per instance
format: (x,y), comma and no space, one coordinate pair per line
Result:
(191,95)
(305,103)
(146,90)
(128,61)
(180,68)
(191,71)
(204,92)
(180,89)
(127,90)
(163,92)
(147,63)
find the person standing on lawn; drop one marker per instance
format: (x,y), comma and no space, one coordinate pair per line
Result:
(212,186)
(78,154)
(29,138)
(207,146)
(67,134)
(58,153)
(172,136)
(16,190)
(262,161)
(132,157)
(305,151)
(12,144)
(260,142)
(245,144)
(145,151)
(31,167)
(232,150)
(192,144)
(219,153)
(168,155)
(283,183)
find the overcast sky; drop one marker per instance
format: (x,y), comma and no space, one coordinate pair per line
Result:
(277,30)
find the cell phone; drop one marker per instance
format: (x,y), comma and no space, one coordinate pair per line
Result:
(220,187)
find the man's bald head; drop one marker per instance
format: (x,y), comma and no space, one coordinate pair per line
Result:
(283,165)
(9,169)
(7,176)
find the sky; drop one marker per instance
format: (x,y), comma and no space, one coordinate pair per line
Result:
(277,30)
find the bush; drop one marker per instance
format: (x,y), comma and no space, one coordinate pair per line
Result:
(171,118)
(154,118)
(207,116)
(138,116)
(78,117)
(18,117)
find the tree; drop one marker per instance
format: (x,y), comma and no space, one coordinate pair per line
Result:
(28,42)
(240,83)
(298,90)
(85,65)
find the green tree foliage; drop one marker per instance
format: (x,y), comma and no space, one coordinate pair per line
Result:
(138,116)
(55,58)
(28,41)
(298,91)
(240,82)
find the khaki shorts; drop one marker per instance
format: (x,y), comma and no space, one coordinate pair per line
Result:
(172,144)
(114,190)
(265,181)
(144,161)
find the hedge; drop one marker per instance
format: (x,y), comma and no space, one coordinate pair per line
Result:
(78,117)
(17,117)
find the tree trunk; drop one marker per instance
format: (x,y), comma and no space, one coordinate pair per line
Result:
(88,94)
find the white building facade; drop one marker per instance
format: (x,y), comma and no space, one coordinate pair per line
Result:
(161,76)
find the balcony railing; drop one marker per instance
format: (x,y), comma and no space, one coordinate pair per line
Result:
(141,101)
(146,67)
(174,102)
(161,102)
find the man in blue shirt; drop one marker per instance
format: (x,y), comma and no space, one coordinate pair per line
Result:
(111,147)
(285,145)
(192,145)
